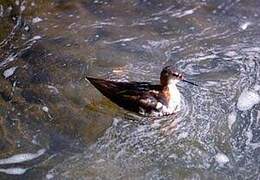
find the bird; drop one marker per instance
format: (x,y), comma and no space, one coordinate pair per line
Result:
(145,98)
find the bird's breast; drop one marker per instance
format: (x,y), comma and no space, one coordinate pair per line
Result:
(174,99)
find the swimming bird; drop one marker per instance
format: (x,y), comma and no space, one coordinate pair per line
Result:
(143,97)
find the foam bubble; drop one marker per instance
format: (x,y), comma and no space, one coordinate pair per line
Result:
(36,20)
(9,72)
(247,100)
(257,87)
(14,171)
(19,158)
(53,89)
(49,176)
(45,109)
(221,159)
(245,25)
(36,37)
(231,53)
(183,135)
(231,119)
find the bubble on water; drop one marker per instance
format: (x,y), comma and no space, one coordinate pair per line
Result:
(36,37)
(22,8)
(231,53)
(14,171)
(120,40)
(174,156)
(19,158)
(245,25)
(10,58)
(26,28)
(251,49)
(53,89)
(116,121)
(49,176)
(100,161)
(17,2)
(1,10)
(45,109)
(247,100)
(36,20)
(9,72)
(183,135)
(221,159)
(187,12)
(231,119)
(257,87)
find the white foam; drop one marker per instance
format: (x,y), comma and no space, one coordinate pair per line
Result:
(158,44)
(22,8)
(9,72)
(251,49)
(19,158)
(116,121)
(1,10)
(121,40)
(173,156)
(249,135)
(100,161)
(231,53)
(187,12)
(17,2)
(36,37)
(231,119)
(36,20)
(26,28)
(221,159)
(245,25)
(53,89)
(206,57)
(257,87)
(14,171)
(247,100)
(49,176)
(183,135)
(10,58)
(45,109)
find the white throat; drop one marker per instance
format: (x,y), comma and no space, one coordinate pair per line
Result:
(175,96)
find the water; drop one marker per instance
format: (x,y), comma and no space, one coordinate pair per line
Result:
(55,125)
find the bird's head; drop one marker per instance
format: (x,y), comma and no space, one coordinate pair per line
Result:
(170,75)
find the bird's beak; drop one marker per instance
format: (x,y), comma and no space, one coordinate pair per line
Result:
(192,83)
(181,78)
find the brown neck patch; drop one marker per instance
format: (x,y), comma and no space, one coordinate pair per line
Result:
(166,94)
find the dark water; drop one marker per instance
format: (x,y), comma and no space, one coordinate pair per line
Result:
(55,125)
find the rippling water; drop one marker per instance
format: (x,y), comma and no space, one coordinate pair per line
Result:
(55,125)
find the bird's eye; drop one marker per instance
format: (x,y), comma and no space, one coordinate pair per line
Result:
(178,75)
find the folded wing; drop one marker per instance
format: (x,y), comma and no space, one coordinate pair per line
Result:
(133,96)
